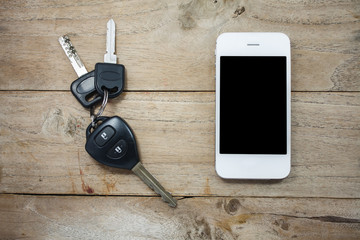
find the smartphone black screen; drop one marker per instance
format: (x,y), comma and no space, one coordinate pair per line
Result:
(253,105)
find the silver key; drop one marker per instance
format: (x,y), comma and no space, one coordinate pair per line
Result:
(147,178)
(138,169)
(110,56)
(72,55)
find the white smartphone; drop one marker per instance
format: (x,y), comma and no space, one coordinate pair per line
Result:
(253,95)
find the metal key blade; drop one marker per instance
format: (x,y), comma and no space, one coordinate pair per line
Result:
(110,56)
(72,55)
(144,175)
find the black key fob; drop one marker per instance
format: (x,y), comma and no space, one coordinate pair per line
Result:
(112,143)
(110,76)
(84,90)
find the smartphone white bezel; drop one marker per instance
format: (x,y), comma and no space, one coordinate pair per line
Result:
(246,166)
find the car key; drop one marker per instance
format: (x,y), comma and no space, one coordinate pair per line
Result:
(109,75)
(82,88)
(113,143)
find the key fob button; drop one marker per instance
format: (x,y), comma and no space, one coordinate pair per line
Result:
(118,143)
(118,150)
(104,136)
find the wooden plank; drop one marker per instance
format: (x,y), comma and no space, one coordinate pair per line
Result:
(54,217)
(42,137)
(169,45)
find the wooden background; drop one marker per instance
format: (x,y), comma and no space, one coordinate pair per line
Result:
(51,189)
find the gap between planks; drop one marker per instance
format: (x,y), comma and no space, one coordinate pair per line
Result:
(179,197)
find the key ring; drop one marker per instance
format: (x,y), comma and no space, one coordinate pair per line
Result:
(101,110)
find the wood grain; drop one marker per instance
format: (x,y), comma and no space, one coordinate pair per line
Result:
(54,217)
(43,147)
(169,45)
(51,189)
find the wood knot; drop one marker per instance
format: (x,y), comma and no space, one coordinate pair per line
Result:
(239,10)
(232,207)
(282,224)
